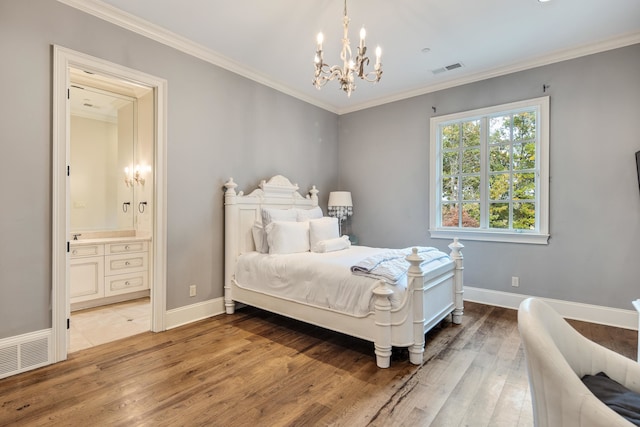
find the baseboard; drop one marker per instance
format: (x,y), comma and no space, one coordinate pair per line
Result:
(194,312)
(25,352)
(627,319)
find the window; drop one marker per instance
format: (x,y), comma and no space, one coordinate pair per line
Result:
(490,173)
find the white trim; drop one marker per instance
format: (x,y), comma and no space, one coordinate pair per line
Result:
(617,317)
(133,23)
(63,59)
(541,234)
(491,236)
(194,312)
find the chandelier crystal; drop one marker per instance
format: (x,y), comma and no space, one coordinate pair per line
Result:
(351,67)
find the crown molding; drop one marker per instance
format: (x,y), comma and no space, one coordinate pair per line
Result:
(133,23)
(557,56)
(154,32)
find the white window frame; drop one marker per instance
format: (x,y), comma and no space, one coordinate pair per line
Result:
(538,236)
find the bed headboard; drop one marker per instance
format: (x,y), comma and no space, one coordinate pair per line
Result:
(241,211)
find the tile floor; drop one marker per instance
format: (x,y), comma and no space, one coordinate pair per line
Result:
(95,326)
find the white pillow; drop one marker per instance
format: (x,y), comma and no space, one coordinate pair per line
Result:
(332,245)
(307,214)
(272,214)
(324,228)
(286,237)
(259,238)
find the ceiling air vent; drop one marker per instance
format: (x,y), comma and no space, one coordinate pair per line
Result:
(447,68)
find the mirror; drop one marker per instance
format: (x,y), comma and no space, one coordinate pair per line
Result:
(102,129)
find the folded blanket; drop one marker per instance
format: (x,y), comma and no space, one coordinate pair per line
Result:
(391,266)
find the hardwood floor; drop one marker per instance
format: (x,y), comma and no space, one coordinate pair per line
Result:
(258,369)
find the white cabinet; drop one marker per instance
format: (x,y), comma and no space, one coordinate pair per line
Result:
(100,271)
(87,278)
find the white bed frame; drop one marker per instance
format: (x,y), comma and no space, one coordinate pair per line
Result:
(431,297)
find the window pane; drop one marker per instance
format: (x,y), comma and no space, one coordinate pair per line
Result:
(450,215)
(450,188)
(499,158)
(471,215)
(471,187)
(524,216)
(524,126)
(499,129)
(524,186)
(524,156)
(471,133)
(450,163)
(499,186)
(451,136)
(471,161)
(499,215)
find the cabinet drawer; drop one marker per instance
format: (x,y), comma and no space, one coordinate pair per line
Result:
(122,248)
(124,283)
(86,250)
(126,263)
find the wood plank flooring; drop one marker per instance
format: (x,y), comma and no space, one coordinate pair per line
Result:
(257,369)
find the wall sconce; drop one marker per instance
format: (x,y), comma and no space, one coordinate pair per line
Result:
(340,206)
(135,175)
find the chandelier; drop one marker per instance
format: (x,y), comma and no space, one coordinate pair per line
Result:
(346,73)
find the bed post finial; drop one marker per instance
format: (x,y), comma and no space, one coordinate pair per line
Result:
(457,258)
(230,187)
(314,195)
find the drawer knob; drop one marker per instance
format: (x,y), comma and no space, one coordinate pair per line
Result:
(75,251)
(126,248)
(126,283)
(127,263)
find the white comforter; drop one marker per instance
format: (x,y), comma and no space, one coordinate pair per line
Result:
(320,279)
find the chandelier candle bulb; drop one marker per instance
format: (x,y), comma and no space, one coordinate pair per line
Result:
(320,40)
(378,54)
(363,34)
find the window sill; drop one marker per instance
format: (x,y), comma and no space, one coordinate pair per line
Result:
(492,236)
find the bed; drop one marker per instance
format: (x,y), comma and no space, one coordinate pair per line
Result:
(386,314)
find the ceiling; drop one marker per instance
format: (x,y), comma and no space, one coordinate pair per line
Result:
(273,42)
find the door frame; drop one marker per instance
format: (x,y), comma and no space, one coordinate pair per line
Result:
(64,58)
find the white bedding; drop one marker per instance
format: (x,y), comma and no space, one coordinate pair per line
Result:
(320,279)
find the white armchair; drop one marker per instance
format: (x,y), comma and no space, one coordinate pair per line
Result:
(557,357)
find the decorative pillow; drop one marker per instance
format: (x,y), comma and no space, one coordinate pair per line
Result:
(307,214)
(287,237)
(324,228)
(332,245)
(616,396)
(259,238)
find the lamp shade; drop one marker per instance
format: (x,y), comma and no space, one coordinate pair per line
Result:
(340,198)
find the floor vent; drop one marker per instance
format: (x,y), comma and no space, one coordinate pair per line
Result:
(24,352)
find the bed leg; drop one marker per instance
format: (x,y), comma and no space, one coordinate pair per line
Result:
(382,343)
(229,303)
(457,257)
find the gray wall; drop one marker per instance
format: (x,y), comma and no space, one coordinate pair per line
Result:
(219,125)
(592,256)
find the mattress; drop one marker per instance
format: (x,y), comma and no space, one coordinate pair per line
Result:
(319,279)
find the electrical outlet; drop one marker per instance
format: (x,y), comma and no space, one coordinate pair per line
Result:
(192,290)
(515,281)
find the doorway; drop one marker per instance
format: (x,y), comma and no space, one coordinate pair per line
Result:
(116,252)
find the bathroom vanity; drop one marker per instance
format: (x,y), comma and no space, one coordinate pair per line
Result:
(108,270)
